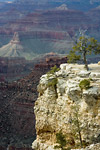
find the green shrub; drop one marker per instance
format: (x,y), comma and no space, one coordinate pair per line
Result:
(61,140)
(84,84)
(53,82)
(53,70)
(69,148)
(56,147)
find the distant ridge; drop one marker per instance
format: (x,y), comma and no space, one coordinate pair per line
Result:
(62,7)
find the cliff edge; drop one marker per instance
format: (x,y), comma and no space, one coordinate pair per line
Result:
(69,105)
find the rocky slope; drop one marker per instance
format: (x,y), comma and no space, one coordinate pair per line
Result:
(14,68)
(17,120)
(62,103)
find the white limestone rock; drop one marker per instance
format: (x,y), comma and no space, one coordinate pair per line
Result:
(84,73)
(95,75)
(53,108)
(61,86)
(91,95)
(91,147)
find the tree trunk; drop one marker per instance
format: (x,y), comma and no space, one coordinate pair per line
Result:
(79,132)
(85,61)
(55,87)
(80,138)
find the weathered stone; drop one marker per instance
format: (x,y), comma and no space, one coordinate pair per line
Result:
(99,63)
(91,95)
(95,75)
(55,114)
(84,73)
(91,147)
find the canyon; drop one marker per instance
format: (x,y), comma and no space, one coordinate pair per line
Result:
(17,121)
(12,69)
(50,29)
(32,35)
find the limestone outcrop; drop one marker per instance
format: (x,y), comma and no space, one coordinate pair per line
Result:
(65,100)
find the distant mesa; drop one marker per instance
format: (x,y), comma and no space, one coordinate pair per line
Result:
(62,7)
(13,48)
(15,39)
(16,49)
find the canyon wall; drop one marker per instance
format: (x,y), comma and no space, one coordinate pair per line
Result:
(63,101)
(17,119)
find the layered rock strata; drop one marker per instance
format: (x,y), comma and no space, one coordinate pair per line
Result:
(58,103)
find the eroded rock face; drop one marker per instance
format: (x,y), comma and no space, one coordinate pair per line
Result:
(55,108)
(17,119)
(91,147)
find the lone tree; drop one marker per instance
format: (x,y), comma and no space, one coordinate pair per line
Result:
(86,46)
(72,57)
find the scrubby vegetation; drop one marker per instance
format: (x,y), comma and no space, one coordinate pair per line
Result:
(53,70)
(84,84)
(61,140)
(53,82)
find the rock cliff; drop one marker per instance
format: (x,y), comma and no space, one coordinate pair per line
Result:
(17,119)
(66,105)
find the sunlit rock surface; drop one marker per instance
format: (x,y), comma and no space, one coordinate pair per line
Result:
(54,108)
